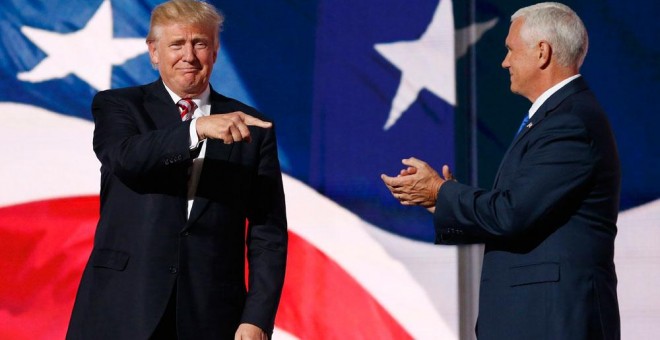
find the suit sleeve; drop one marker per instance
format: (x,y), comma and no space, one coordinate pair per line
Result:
(267,239)
(543,180)
(128,143)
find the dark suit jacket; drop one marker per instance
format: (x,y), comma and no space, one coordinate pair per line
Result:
(145,246)
(548,226)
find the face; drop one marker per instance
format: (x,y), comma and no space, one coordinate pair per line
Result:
(522,62)
(185,55)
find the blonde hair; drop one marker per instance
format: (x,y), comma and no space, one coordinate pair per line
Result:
(190,12)
(560,26)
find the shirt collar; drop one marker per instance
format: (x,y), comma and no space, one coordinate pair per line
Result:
(549,92)
(201,100)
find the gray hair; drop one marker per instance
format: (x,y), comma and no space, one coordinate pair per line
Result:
(192,12)
(560,26)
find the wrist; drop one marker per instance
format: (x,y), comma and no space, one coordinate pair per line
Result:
(198,128)
(437,185)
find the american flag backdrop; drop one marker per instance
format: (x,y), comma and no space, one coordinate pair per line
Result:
(354,87)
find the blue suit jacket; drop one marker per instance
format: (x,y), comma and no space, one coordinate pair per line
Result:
(145,245)
(548,226)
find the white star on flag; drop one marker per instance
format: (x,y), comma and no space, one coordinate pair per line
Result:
(425,63)
(429,62)
(88,53)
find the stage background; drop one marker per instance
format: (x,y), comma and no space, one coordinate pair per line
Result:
(354,87)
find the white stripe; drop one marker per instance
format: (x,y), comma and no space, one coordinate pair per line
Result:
(47,155)
(51,156)
(637,259)
(354,245)
(280,334)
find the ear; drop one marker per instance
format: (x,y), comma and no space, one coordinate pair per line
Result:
(153,52)
(544,54)
(215,53)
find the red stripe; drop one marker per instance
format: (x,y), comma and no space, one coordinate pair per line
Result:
(322,301)
(44,247)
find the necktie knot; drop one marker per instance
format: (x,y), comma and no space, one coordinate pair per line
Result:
(523,124)
(187,107)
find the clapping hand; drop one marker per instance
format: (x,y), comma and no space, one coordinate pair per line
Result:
(417,184)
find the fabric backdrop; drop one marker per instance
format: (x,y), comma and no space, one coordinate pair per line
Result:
(354,87)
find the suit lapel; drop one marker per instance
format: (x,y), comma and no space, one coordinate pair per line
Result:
(159,105)
(577,85)
(216,150)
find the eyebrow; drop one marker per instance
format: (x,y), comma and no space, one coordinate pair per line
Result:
(196,39)
(175,40)
(200,39)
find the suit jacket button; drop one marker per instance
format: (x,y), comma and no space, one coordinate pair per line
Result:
(173,270)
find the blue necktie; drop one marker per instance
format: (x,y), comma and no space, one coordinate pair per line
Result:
(523,124)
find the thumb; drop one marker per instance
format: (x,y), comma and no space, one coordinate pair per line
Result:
(446,173)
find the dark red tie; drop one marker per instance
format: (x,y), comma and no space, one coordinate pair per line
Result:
(187,107)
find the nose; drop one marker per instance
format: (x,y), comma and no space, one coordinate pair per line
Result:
(188,53)
(505,62)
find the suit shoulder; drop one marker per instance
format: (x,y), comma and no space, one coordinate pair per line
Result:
(584,106)
(231,104)
(132,92)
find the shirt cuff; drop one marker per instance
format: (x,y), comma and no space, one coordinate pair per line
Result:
(194,140)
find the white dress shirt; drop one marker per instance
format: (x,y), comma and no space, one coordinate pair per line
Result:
(203,108)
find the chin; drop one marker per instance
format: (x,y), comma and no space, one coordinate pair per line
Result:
(191,86)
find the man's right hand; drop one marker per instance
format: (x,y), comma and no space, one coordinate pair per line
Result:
(417,184)
(230,127)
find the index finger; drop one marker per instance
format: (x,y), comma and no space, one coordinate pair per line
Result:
(413,162)
(253,121)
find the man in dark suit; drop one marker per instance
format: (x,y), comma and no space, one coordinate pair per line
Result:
(169,251)
(549,222)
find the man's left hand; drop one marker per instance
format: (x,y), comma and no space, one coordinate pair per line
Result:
(248,331)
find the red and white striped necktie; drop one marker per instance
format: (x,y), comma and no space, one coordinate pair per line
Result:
(187,107)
